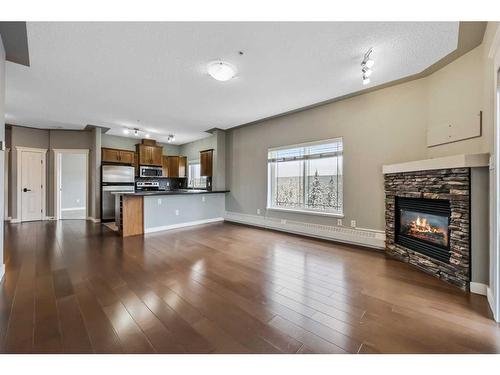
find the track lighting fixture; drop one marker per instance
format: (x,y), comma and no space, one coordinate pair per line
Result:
(366,66)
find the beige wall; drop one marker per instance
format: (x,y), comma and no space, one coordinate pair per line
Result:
(382,127)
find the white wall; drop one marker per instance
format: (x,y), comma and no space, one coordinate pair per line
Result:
(2,153)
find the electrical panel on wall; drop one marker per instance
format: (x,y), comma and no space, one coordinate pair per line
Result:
(465,128)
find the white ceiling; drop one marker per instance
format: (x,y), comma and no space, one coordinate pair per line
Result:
(113,74)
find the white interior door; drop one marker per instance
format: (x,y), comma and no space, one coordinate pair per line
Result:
(31,185)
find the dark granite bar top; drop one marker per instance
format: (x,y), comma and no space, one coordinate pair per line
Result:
(170,192)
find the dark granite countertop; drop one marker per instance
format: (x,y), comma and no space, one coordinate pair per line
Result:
(170,192)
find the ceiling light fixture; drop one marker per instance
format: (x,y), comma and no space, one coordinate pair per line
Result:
(147,135)
(136,132)
(366,66)
(170,138)
(126,131)
(221,70)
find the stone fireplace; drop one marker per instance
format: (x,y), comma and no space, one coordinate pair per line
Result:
(428,217)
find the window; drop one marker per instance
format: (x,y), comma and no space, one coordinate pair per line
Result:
(306,177)
(195,181)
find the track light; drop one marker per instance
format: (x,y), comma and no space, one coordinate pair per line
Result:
(170,138)
(366,66)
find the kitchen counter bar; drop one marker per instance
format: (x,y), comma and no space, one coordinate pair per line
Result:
(152,211)
(171,192)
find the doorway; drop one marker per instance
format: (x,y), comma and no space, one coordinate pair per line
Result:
(71,184)
(31,183)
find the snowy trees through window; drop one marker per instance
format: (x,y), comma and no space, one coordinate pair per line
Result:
(306,177)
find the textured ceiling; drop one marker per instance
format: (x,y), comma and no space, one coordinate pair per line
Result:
(153,75)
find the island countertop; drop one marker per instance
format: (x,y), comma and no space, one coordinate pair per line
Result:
(141,212)
(170,192)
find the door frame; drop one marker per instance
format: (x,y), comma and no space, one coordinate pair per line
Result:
(43,152)
(493,291)
(58,152)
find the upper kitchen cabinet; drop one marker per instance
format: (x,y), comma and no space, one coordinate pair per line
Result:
(112,155)
(149,154)
(182,166)
(173,166)
(206,163)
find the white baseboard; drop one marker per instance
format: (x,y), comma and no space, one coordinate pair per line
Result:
(2,272)
(15,220)
(94,220)
(491,302)
(49,218)
(73,208)
(8,218)
(478,288)
(357,236)
(182,225)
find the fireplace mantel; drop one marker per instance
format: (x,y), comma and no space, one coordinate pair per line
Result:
(455,161)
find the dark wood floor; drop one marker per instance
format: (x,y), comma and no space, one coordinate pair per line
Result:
(76,287)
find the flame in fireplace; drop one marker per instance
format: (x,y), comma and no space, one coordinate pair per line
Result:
(422,225)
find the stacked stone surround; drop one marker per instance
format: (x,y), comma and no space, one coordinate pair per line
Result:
(449,184)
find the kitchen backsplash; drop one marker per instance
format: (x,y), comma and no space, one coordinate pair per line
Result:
(167,183)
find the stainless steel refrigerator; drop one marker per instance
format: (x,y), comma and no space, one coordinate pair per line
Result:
(114,178)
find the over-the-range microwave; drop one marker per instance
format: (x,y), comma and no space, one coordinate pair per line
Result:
(145,171)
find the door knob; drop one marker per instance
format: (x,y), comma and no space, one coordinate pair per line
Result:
(26,190)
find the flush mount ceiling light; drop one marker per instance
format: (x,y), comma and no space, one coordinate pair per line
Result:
(221,70)
(366,66)
(170,138)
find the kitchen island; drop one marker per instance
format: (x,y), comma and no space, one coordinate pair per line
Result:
(152,211)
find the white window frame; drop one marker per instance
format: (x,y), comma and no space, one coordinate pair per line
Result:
(304,210)
(191,162)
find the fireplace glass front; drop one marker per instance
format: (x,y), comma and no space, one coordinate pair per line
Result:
(423,225)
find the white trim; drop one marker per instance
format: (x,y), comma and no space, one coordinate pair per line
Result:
(491,301)
(454,161)
(73,208)
(305,212)
(57,181)
(49,218)
(8,218)
(19,150)
(478,288)
(305,144)
(182,225)
(94,220)
(365,237)
(15,221)
(2,272)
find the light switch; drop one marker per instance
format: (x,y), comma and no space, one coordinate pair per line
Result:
(159,201)
(176,212)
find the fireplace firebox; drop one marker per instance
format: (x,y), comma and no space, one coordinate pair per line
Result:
(423,226)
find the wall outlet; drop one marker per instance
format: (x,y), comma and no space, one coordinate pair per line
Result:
(168,183)
(353,223)
(258,211)
(159,201)
(283,221)
(339,222)
(78,201)
(176,212)
(203,198)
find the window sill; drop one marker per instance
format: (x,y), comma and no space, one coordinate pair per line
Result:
(306,212)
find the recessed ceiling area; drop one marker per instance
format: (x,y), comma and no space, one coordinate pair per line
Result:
(153,75)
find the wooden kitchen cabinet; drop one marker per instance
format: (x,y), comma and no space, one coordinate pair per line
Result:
(150,155)
(182,166)
(113,155)
(206,163)
(173,166)
(164,165)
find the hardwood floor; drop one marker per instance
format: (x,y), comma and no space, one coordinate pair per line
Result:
(76,287)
